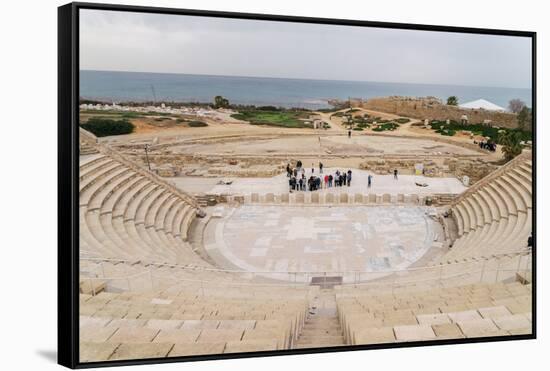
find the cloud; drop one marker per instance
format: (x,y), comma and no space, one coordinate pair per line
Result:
(204,45)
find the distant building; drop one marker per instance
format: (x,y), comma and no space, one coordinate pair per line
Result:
(482,104)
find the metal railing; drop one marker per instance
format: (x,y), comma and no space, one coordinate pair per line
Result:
(494,269)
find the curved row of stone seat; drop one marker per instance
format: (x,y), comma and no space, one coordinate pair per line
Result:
(143,325)
(126,215)
(495,216)
(465,311)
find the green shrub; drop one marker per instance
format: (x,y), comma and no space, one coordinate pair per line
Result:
(390,126)
(358,129)
(197,124)
(103,127)
(450,129)
(402,120)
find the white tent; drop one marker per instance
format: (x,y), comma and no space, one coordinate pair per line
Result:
(483,104)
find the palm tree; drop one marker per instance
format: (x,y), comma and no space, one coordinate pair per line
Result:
(511,144)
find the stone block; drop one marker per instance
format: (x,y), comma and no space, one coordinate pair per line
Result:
(177,336)
(141,351)
(374,336)
(358,198)
(95,352)
(479,327)
(433,319)
(98,334)
(250,346)
(343,198)
(133,335)
(200,324)
(493,312)
(237,324)
(466,315)
(512,322)
(447,331)
(414,333)
(213,336)
(192,349)
(314,198)
(164,324)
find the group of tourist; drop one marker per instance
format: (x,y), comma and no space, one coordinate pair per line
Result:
(298,181)
(491,146)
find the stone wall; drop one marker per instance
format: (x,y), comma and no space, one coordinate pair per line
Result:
(475,169)
(433,109)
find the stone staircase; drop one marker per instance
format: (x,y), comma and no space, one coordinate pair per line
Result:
(322,328)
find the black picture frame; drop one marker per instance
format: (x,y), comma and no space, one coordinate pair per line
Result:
(68,171)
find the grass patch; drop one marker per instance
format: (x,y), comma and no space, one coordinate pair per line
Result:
(102,127)
(288,119)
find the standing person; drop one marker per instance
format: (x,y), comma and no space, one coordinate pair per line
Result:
(299,164)
(369,181)
(344,178)
(349,133)
(320,167)
(312,168)
(349,178)
(330,181)
(288,170)
(295,172)
(301,184)
(326,181)
(395,174)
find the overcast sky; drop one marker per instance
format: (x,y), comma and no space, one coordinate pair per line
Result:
(124,41)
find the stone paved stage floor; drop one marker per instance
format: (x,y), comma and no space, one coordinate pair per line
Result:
(279,184)
(321,238)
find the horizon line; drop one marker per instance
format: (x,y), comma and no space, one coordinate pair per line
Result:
(309,79)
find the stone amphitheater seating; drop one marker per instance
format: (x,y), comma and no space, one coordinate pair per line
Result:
(161,299)
(453,312)
(125,214)
(143,325)
(495,215)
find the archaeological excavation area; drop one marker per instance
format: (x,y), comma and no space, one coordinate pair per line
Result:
(197,244)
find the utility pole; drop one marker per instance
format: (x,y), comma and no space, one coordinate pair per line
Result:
(154,94)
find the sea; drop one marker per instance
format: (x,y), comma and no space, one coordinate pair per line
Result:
(116,86)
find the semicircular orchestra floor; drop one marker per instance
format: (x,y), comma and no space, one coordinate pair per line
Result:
(338,240)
